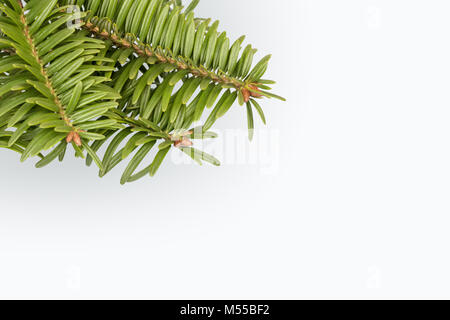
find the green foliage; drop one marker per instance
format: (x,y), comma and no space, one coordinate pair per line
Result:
(127,75)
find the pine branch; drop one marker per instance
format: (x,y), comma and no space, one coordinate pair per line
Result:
(37,96)
(73,135)
(196,50)
(146,51)
(163,66)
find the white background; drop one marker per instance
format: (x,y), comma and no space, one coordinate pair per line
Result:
(358,206)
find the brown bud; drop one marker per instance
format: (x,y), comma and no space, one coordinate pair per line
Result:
(69,137)
(246,95)
(254,88)
(77,139)
(185,142)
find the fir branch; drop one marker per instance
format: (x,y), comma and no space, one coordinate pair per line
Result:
(73,135)
(146,51)
(56,88)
